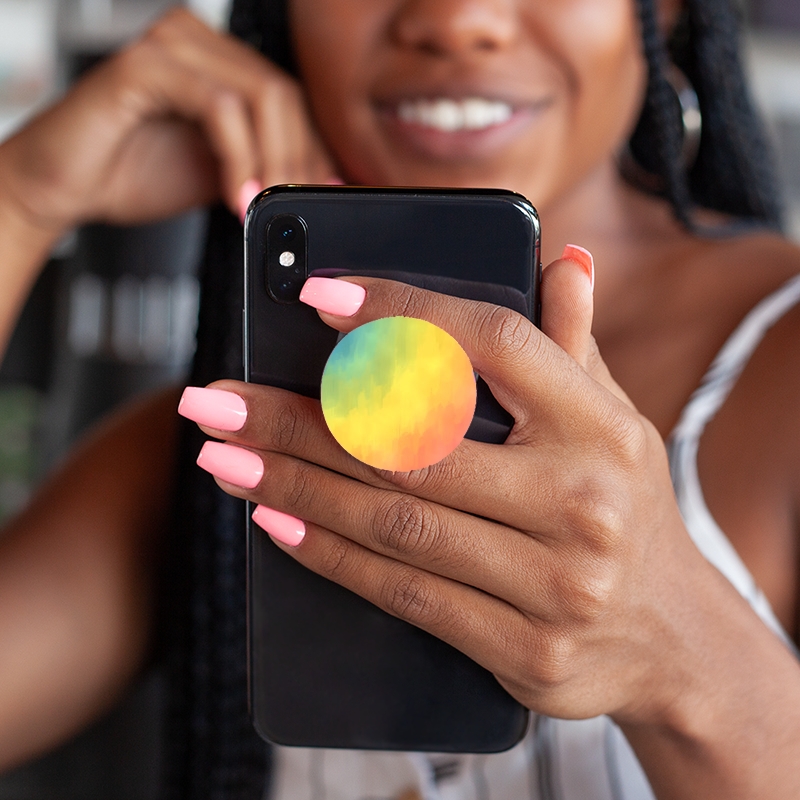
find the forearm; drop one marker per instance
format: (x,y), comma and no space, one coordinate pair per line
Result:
(733,730)
(77,579)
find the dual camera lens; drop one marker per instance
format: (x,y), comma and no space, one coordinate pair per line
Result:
(287,241)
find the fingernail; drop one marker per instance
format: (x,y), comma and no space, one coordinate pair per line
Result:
(283,527)
(580,255)
(232,464)
(334,180)
(216,408)
(250,188)
(334,296)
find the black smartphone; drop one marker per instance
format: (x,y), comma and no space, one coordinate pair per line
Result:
(327,668)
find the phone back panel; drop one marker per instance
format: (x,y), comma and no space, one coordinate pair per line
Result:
(327,668)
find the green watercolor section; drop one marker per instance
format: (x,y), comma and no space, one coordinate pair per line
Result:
(366,365)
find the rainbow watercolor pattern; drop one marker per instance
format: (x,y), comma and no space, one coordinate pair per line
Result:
(398,393)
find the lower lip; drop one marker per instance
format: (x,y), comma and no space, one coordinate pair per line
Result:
(459,145)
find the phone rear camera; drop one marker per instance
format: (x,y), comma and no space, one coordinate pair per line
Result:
(286,265)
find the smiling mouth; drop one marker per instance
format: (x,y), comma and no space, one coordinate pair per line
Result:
(450,116)
(458,129)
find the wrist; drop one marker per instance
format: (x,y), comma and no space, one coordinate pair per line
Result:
(724,719)
(23,235)
(25,244)
(34,214)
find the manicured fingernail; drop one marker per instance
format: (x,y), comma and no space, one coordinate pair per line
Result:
(232,464)
(283,527)
(580,255)
(334,296)
(250,188)
(216,408)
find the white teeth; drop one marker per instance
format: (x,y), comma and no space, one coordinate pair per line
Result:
(444,114)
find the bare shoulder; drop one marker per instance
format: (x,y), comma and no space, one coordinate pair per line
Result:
(749,458)
(759,267)
(755,263)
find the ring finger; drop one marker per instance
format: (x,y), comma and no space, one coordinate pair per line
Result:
(501,561)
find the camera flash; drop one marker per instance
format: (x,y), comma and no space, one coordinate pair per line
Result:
(286,258)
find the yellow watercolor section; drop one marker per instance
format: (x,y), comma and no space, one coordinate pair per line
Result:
(398,393)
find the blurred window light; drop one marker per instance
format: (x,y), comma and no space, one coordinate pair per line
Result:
(27,59)
(213,12)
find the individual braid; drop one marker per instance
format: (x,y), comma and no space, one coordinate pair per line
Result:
(265,25)
(733,173)
(657,140)
(212,749)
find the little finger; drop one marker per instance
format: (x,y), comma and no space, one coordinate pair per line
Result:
(485,628)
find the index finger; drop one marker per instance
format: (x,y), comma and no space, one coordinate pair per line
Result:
(523,368)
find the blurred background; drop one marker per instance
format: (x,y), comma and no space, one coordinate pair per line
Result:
(114,313)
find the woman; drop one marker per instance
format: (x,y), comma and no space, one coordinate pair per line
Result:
(576,576)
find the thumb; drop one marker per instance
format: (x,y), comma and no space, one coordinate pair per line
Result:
(567,310)
(568,304)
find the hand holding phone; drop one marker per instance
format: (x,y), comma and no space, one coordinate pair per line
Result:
(349,674)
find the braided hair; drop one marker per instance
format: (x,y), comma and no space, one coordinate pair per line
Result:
(733,172)
(211,748)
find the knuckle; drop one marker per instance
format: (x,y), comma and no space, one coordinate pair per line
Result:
(627,438)
(506,333)
(588,592)
(406,525)
(300,491)
(334,559)
(131,72)
(551,665)
(409,301)
(274,92)
(288,428)
(594,514)
(412,598)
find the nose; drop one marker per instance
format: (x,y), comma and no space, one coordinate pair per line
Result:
(450,27)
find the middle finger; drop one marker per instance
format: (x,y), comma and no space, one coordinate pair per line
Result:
(511,484)
(501,561)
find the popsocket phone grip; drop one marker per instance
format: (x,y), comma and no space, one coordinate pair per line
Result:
(398,393)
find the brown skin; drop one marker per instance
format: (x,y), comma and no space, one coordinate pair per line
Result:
(632,621)
(77,572)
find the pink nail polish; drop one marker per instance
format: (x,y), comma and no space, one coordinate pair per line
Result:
(250,188)
(232,464)
(580,255)
(334,296)
(283,527)
(216,408)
